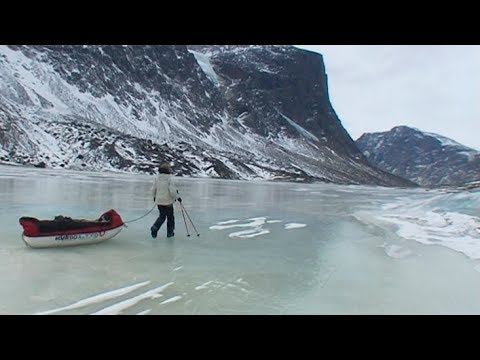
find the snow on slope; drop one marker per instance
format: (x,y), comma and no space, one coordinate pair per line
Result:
(63,118)
(206,66)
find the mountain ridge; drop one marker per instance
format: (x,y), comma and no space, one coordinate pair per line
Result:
(250,112)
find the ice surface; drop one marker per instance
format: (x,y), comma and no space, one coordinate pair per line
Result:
(264,248)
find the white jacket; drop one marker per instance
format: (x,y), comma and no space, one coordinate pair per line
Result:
(164,189)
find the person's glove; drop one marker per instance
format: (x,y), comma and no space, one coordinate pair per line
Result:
(179,199)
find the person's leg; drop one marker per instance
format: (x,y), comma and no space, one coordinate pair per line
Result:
(159,222)
(170,221)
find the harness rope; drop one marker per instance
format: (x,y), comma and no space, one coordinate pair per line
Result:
(141,217)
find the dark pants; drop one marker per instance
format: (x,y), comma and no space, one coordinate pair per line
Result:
(166,212)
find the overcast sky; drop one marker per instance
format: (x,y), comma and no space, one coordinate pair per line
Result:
(435,88)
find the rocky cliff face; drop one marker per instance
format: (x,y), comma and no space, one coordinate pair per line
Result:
(425,158)
(237,112)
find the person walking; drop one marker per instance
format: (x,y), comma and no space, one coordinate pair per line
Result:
(164,193)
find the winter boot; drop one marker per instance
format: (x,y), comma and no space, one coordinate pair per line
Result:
(153,231)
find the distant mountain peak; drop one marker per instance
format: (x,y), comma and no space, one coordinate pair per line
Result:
(423,157)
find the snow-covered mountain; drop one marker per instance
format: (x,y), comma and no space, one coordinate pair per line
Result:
(237,112)
(425,158)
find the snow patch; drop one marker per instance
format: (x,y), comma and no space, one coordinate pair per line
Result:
(294,226)
(300,129)
(204,62)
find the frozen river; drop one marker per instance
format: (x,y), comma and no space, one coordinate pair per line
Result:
(264,248)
